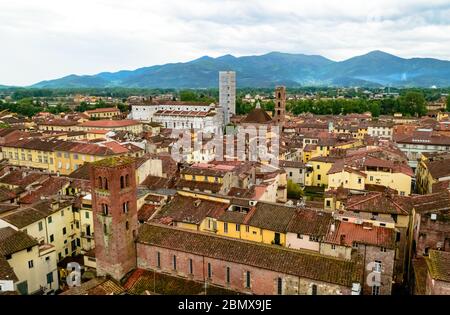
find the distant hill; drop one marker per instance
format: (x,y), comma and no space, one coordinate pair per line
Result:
(376,68)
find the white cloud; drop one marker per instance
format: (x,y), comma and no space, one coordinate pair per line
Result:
(47,39)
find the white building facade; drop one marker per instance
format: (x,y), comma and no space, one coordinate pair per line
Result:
(180,115)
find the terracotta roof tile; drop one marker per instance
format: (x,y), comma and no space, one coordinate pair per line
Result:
(275,258)
(438,263)
(347,234)
(12,241)
(105,123)
(310,222)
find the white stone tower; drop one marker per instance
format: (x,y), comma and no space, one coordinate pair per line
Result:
(227,94)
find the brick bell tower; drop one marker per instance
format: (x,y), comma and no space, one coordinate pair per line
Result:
(280,104)
(114,207)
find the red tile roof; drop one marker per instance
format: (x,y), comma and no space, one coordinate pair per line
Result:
(145,212)
(347,234)
(105,123)
(299,263)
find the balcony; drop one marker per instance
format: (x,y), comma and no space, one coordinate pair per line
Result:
(102,192)
(90,236)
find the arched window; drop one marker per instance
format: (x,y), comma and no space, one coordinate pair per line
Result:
(105,229)
(125,207)
(279,95)
(105,184)
(127,225)
(105,209)
(127,182)
(122,182)
(100,183)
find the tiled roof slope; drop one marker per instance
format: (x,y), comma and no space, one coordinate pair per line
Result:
(12,241)
(439,265)
(293,262)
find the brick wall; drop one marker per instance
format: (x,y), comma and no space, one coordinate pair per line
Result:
(433,234)
(262,281)
(372,254)
(114,233)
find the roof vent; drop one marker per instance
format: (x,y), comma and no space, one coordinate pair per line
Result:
(197,202)
(332,228)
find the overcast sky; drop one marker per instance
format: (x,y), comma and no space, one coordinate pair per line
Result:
(47,39)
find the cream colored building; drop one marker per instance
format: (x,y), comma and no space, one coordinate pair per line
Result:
(49,222)
(33,264)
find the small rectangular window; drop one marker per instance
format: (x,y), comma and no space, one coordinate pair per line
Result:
(158,259)
(30,264)
(377,266)
(174,262)
(238,227)
(225,227)
(41,226)
(209,271)
(248,280)
(228,274)
(375,290)
(52,238)
(49,219)
(280,286)
(191,266)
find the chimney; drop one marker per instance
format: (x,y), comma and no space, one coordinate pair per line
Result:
(342,240)
(332,228)
(55,205)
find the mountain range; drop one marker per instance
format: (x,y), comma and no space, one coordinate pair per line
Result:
(374,69)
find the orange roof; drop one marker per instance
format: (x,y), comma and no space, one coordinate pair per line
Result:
(116,147)
(103,110)
(347,233)
(99,131)
(106,123)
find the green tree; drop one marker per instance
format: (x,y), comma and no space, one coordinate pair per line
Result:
(269,106)
(413,103)
(375,109)
(188,96)
(123,107)
(294,191)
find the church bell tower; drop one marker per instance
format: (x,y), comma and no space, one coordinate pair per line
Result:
(114,207)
